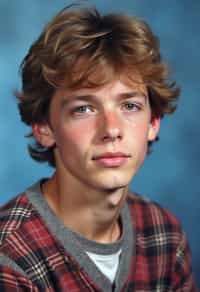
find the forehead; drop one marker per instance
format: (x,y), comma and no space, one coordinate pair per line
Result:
(102,77)
(87,74)
(120,88)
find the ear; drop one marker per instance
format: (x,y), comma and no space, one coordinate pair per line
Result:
(43,134)
(153,128)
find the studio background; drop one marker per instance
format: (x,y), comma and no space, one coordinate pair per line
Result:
(171,174)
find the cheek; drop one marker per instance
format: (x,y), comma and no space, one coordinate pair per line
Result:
(72,138)
(139,130)
(138,141)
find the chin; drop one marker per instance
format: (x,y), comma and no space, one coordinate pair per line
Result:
(111,189)
(112,180)
(113,186)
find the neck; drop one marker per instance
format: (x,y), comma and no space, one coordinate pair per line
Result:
(92,213)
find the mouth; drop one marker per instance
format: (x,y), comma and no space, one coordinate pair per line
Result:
(110,159)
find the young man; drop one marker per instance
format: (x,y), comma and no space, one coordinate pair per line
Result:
(94,90)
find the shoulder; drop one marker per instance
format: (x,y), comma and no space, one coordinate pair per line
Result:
(149,216)
(13,214)
(161,245)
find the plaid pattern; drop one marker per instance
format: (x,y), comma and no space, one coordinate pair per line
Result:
(161,261)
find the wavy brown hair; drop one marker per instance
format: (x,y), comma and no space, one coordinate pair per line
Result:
(80,47)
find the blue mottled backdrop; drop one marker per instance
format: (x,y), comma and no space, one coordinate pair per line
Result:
(170,175)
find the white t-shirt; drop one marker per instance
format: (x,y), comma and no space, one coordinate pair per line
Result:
(107,263)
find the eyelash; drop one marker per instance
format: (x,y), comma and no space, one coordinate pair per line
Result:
(75,110)
(136,107)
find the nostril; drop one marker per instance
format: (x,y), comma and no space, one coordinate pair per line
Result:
(112,135)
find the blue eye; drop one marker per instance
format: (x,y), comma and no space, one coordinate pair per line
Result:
(81,109)
(131,106)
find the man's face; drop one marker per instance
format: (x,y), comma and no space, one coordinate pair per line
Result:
(101,135)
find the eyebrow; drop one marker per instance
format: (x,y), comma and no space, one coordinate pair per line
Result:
(90,97)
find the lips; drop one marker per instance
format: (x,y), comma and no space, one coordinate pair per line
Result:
(111,159)
(111,155)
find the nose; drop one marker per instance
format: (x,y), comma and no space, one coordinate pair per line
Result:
(111,126)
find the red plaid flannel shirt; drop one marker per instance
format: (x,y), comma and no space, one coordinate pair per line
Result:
(161,261)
